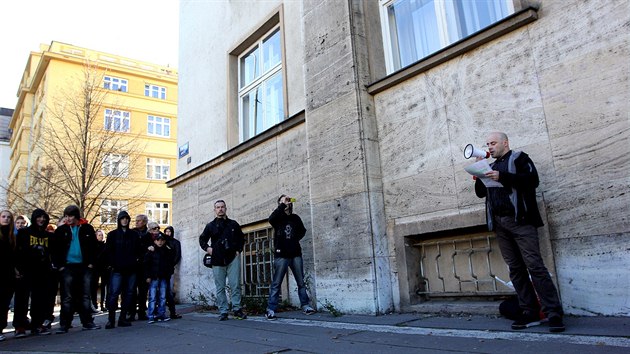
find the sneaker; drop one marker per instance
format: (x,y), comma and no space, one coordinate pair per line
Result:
(90,326)
(556,324)
(151,321)
(270,315)
(47,324)
(223,317)
(2,338)
(308,310)
(166,319)
(176,316)
(42,331)
(20,332)
(239,315)
(527,320)
(62,330)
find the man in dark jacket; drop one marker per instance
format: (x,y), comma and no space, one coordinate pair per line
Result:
(139,298)
(123,251)
(513,213)
(34,265)
(176,246)
(75,256)
(288,231)
(226,244)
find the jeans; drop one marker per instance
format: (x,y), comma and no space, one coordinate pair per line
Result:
(280,266)
(75,293)
(521,251)
(233,273)
(157,294)
(121,284)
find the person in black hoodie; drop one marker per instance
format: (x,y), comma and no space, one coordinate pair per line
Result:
(176,246)
(158,268)
(7,266)
(289,230)
(35,268)
(122,253)
(74,255)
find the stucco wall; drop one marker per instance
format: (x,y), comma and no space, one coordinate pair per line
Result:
(559,88)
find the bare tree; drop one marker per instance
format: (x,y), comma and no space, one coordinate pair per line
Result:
(83,150)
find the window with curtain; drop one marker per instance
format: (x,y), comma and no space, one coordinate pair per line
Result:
(414,29)
(261,102)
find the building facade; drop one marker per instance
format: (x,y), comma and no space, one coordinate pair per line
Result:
(133,122)
(361,110)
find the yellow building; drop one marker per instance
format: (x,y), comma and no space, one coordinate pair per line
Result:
(129,109)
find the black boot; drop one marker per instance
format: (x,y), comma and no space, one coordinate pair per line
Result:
(111,320)
(122,320)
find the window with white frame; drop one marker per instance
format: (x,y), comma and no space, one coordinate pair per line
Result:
(110,209)
(159,126)
(158,212)
(116,165)
(115,83)
(155,91)
(261,101)
(414,29)
(117,120)
(158,168)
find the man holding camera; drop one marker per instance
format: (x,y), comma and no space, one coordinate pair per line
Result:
(226,244)
(513,214)
(289,230)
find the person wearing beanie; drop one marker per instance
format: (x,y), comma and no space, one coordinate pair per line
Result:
(123,251)
(176,246)
(36,275)
(158,268)
(75,256)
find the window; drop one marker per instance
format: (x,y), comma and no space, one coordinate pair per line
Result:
(110,209)
(157,212)
(261,102)
(159,126)
(116,165)
(117,120)
(158,168)
(155,91)
(414,29)
(114,83)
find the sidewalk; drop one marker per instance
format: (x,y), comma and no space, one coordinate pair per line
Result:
(201,332)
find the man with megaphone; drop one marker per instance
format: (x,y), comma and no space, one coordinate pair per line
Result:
(512,212)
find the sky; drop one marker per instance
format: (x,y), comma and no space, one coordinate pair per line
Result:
(146,30)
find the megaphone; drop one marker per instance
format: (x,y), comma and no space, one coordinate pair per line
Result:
(471,151)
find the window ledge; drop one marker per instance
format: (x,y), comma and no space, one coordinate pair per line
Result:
(268,134)
(507,25)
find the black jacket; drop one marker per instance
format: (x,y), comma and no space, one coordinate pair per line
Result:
(226,239)
(7,257)
(522,184)
(87,240)
(174,244)
(288,231)
(34,246)
(123,249)
(158,264)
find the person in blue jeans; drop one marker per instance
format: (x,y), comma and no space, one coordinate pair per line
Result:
(123,250)
(158,267)
(288,231)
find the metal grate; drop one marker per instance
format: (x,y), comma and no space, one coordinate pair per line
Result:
(462,266)
(258,262)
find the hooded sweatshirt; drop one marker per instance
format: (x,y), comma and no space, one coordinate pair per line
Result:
(123,248)
(34,246)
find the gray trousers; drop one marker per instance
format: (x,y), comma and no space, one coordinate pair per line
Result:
(521,251)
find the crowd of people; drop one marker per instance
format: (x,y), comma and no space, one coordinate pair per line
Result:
(40,260)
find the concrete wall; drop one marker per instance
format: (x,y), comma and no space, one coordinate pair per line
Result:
(376,169)
(561,97)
